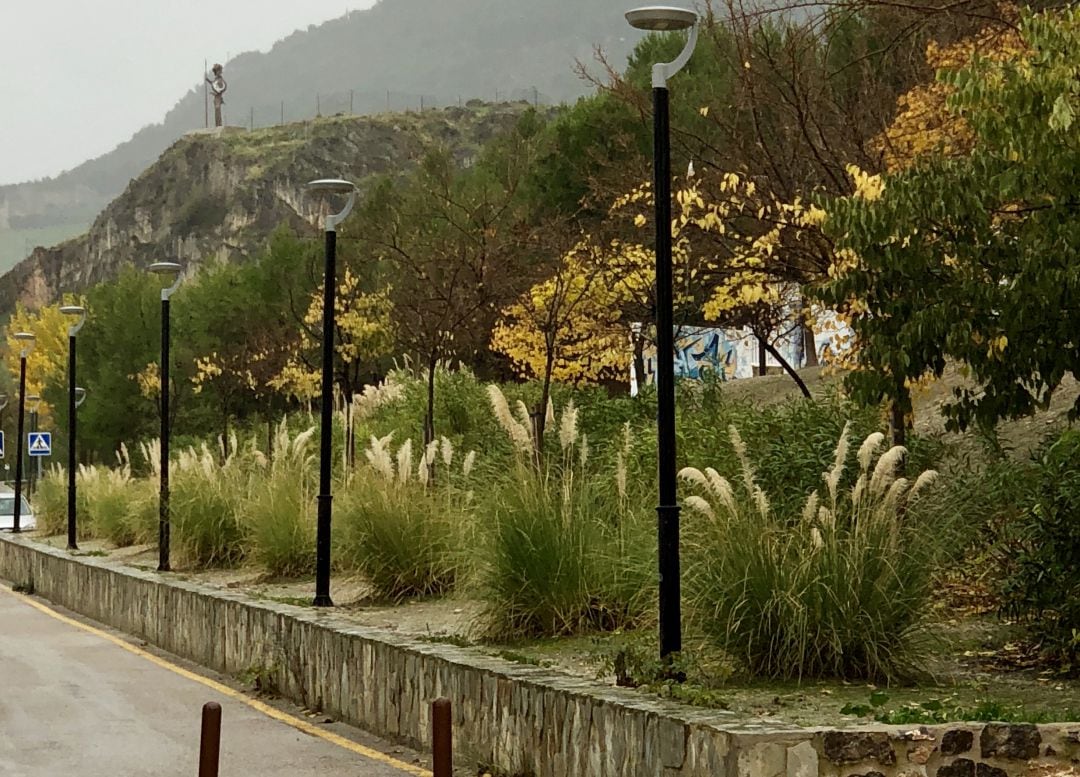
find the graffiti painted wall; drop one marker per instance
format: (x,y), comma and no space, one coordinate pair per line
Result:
(733,354)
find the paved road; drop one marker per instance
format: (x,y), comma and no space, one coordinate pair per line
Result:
(75,704)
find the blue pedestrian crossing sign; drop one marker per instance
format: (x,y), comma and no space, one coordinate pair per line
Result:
(39,443)
(1,445)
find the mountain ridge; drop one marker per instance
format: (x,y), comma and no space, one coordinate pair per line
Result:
(398,52)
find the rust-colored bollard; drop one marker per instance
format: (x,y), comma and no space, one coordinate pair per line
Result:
(442,741)
(210,740)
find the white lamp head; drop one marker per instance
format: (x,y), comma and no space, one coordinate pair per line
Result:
(3,401)
(660,18)
(328,187)
(26,340)
(33,399)
(80,395)
(168,271)
(79,313)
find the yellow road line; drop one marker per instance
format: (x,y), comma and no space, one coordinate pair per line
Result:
(232,693)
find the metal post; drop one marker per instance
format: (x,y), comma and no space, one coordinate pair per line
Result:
(71,524)
(322,536)
(163,499)
(31,462)
(442,740)
(19,445)
(210,740)
(668,509)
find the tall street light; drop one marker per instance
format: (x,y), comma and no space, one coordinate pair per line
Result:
(26,342)
(3,404)
(169,271)
(35,467)
(325,188)
(78,312)
(662,18)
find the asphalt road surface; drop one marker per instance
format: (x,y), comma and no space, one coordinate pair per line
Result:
(74,703)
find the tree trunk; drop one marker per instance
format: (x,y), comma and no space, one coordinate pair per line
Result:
(786,365)
(540,413)
(225,439)
(897,425)
(763,367)
(639,361)
(269,436)
(809,346)
(429,417)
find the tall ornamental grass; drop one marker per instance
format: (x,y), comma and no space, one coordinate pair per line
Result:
(205,502)
(837,590)
(50,502)
(278,515)
(558,556)
(119,508)
(406,536)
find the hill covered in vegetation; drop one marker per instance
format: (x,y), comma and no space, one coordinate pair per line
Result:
(390,57)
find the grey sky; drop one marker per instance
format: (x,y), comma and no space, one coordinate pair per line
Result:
(77,77)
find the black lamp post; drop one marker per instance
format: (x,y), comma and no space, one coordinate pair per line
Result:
(660,18)
(33,462)
(169,271)
(3,404)
(78,312)
(325,188)
(26,340)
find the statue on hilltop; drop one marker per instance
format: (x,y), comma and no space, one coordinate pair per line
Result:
(217,86)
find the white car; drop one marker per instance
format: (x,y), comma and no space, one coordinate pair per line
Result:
(7,512)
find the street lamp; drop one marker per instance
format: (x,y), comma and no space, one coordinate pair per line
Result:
(32,476)
(170,271)
(80,396)
(26,341)
(325,188)
(78,312)
(662,18)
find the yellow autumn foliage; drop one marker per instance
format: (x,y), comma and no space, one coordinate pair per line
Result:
(923,124)
(46,364)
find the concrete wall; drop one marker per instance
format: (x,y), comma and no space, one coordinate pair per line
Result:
(517,720)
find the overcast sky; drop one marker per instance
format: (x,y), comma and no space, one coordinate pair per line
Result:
(77,77)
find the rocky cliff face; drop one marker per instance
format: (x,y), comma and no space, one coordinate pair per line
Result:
(217,195)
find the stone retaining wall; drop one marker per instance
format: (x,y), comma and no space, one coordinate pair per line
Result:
(514,719)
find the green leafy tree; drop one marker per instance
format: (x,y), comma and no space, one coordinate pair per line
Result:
(977,258)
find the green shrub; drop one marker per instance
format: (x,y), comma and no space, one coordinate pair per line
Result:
(1042,584)
(204,504)
(564,553)
(50,502)
(278,517)
(119,508)
(405,538)
(836,590)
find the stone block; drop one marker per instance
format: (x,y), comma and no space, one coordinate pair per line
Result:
(1010,740)
(802,760)
(961,767)
(672,743)
(957,741)
(852,747)
(763,759)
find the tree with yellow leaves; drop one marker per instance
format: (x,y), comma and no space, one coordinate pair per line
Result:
(364,336)
(46,366)
(553,330)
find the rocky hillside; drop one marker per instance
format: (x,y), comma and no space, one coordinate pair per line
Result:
(217,195)
(389,57)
